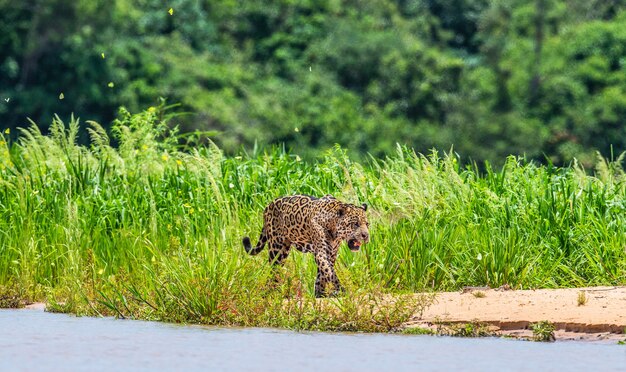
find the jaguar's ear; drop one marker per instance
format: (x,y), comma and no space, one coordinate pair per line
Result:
(341,211)
(364,206)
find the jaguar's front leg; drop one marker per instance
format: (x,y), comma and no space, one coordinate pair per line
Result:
(326,282)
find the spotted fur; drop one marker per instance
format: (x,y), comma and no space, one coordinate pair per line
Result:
(312,225)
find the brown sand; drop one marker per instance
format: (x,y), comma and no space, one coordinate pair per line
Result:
(36,306)
(509,312)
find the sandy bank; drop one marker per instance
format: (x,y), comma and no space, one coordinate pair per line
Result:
(602,316)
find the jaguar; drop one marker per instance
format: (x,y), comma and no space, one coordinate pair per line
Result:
(312,225)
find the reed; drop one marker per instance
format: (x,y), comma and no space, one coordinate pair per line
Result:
(151,229)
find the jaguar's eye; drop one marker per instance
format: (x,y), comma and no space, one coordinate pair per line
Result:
(357,225)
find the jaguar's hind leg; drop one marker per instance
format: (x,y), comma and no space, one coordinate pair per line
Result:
(278,251)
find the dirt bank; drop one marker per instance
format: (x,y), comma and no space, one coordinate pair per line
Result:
(592,313)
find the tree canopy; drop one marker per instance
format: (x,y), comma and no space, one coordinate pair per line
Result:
(543,78)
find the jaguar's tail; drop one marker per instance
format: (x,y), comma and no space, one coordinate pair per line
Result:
(259,246)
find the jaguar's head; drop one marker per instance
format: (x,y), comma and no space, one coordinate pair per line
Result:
(353,226)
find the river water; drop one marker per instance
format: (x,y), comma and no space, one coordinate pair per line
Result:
(33,340)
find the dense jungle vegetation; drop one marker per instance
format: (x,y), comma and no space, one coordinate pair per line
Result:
(543,78)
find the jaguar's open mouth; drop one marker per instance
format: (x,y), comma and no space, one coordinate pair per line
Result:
(354,245)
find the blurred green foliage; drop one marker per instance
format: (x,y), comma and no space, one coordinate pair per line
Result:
(544,78)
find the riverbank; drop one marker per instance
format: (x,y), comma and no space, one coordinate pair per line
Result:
(584,314)
(591,313)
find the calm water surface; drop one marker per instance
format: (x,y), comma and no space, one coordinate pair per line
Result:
(33,340)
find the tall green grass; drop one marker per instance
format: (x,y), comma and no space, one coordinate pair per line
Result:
(152,229)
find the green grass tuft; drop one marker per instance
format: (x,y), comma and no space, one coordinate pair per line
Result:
(543,331)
